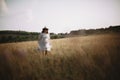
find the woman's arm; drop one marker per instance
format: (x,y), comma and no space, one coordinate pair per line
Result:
(39,38)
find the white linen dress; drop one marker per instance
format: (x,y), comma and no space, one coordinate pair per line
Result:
(44,42)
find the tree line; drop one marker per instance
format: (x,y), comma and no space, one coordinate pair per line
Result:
(7,36)
(19,36)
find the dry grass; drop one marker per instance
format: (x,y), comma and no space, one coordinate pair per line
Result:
(93,57)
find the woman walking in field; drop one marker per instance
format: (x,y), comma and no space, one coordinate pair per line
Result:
(44,41)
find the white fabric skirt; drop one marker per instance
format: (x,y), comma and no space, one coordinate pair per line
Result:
(44,46)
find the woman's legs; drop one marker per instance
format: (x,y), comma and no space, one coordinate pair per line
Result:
(46,52)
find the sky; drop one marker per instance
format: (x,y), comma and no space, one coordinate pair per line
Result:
(58,15)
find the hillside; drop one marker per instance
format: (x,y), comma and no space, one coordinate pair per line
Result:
(111,29)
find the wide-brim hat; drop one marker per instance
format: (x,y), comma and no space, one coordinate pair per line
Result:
(45,28)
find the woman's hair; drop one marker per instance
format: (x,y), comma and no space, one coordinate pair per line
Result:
(44,29)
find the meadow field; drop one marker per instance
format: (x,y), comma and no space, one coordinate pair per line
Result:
(94,57)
